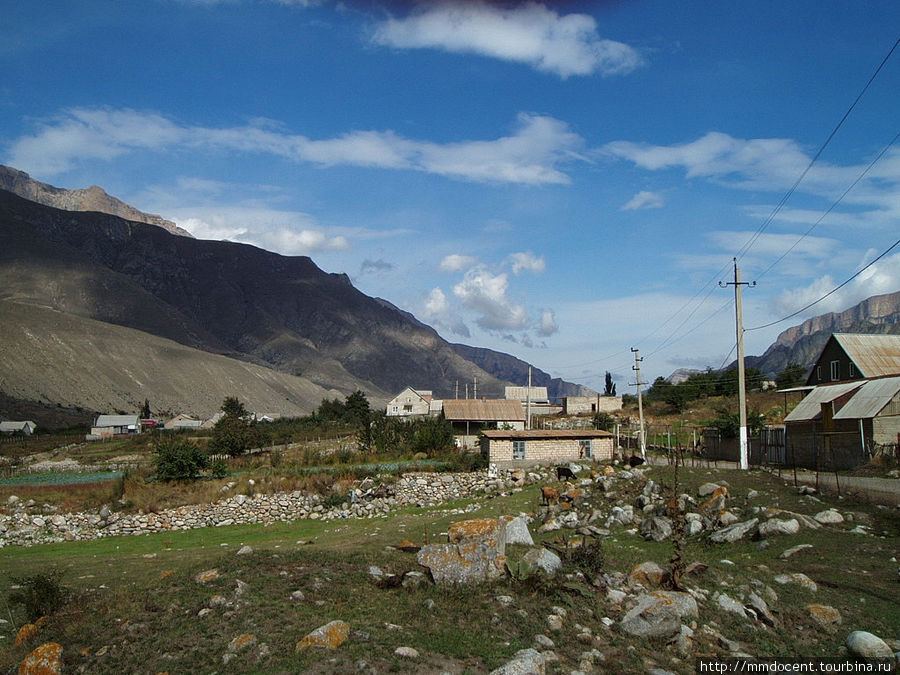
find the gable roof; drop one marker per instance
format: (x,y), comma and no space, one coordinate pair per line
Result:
(484,410)
(534,434)
(810,408)
(873,355)
(12,426)
(117,420)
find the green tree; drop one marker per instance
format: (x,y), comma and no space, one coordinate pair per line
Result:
(432,434)
(609,388)
(677,396)
(792,375)
(236,432)
(179,459)
(604,421)
(145,410)
(357,412)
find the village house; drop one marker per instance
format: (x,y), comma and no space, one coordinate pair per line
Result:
(546,446)
(413,403)
(535,399)
(591,405)
(183,421)
(470,416)
(107,426)
(26,427)
(853,404)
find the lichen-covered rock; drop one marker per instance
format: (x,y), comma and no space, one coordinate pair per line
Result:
(517,531)
(25,633)
(797,578)
(649,575)
(206,576)
(545,560)
(826,616)
(734,532)
(330,636)
(476,552)
(45,660)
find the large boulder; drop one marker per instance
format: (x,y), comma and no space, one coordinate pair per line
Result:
(45,660)
(517,531)
(523,662)
(863,645)
(734,532)
(545,560)
(475,553)
(659,614)
(656,528)
(775,526)
(330,636)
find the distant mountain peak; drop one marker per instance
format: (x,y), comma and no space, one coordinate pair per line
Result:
(94,198)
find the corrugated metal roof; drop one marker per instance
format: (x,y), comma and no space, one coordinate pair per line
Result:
(483,410)
(547,433)
(810,407)
(116,420)
(872,397)
(873,355)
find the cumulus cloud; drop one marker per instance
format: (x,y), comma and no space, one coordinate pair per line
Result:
(456,262)
(530,33)
(548,325)
(527,262)
(376,267)
(438,310)
(644,200)
(531,155)
(486,294)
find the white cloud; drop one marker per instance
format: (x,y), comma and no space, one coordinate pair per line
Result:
(882,277)
(548,325)
(438,310)
(531,155)
(644,200)
(529,33)
(527,262)
(456,262)
(486,294)
(287,232)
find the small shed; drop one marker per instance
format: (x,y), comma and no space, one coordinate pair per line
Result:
(24,427)
(106,426)
(546,446)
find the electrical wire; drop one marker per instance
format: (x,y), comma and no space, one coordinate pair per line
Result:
(831,292)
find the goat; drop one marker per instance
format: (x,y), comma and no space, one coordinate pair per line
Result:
(634,461)
(564,472)
(549,495)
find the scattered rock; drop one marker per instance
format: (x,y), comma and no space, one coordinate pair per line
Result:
(245,550)
(824,615)
(829,517)
(45,660)
(656,528)
(649,575)
(476,552)
(659,614)
(734,532)
(330,636)
(517,531)
(25,633)
(206,576)
(407,652)
(729,604)
(543,559)
(797,578)
(864,645)
(524,662)
(777,526)
(794,549)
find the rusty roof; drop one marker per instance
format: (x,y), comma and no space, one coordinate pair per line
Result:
(873,355)
(483,410)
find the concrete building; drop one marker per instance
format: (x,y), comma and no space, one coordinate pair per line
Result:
(107,426)
(591,405)
(469,417)
(413,403)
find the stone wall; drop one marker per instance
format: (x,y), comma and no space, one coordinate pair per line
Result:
(24,525)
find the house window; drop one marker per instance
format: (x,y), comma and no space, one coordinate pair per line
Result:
(852,370)
(518,449)
(818,373)
(584,449)
(835,371)
(407,408)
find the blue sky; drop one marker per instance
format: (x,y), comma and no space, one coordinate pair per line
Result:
(562,182)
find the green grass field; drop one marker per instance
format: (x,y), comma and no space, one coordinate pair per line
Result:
(135,602)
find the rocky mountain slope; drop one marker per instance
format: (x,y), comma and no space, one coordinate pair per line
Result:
(56,358)
(89,199)
(802,344)
(219,297)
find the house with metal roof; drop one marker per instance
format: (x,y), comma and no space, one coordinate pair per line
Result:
(839,426)
(413,403)
(106,426)
(24,427)
(470,416)
(546,446)
(854,356)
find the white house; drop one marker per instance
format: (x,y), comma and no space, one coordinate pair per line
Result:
(106,426)
(412,402)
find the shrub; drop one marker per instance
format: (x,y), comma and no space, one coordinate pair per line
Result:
(179,459)
(40,594)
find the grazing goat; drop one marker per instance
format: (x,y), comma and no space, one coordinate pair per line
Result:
(634,461)
(549,495)
(564,472)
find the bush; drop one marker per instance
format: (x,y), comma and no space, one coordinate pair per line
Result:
(40,594)
(179,459)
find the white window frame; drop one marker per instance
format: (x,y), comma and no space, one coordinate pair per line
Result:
(835,371)
(518,449)
(852,369)
(586,448)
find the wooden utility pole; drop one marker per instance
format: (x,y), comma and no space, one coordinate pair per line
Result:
(742,388)
(637,367)
(528,401)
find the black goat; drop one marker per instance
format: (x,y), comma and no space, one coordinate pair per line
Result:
(634,461)
(564,472)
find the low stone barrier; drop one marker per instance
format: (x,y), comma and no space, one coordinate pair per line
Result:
(22,528)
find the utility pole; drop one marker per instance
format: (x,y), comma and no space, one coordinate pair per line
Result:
(739,334)
(637,367)
(528,402)
(475,388)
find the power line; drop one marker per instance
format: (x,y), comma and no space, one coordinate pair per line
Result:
(832,291)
